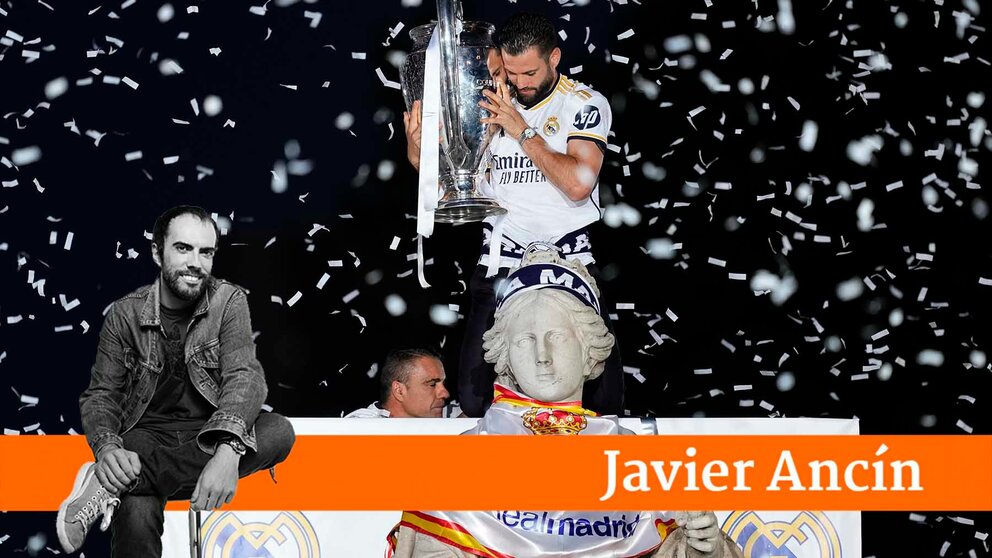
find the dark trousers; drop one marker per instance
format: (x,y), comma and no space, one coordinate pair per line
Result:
(171,463)
(476,376)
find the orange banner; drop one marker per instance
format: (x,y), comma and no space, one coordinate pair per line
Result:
(570,473)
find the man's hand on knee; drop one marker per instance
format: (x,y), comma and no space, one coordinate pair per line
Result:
(117,469)
(218,480)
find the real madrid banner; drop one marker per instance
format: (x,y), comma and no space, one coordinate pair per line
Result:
(313,534)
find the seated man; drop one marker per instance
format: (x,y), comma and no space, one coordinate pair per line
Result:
(547,340)
(172,411)
(411,385)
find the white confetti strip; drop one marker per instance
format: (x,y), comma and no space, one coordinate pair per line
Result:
(314,18)
(294,299)
(315,228)
(388,83)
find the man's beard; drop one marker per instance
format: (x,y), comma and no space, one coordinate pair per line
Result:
(541,91)
(175,284)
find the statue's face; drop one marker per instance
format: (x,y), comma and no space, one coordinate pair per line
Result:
(545,354)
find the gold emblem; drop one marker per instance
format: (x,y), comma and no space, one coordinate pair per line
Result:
(551,126)
(544,421)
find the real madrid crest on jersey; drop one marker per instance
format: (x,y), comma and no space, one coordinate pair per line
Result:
(551,126)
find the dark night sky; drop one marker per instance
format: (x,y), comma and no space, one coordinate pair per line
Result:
(796,217)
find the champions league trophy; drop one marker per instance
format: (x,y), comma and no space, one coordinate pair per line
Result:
(465,47)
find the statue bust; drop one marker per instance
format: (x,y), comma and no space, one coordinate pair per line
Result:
(547,340)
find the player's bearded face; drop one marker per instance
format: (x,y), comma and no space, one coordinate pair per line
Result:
(531,73)
(542,89)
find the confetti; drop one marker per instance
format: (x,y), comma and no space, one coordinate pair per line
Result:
(814,277)
(350,296)
(385,81)
(294,299)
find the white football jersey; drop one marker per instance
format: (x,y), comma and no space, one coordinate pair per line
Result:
(536,209)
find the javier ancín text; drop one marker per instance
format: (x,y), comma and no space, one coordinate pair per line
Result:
(858,475)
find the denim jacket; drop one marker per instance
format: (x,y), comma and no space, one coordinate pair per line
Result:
(220,359)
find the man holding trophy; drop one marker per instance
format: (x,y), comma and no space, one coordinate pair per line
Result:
(549,138)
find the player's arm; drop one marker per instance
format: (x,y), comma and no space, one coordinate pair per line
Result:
(574,172)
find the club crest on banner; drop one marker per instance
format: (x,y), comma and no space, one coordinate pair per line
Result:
(287,535)
(807,535)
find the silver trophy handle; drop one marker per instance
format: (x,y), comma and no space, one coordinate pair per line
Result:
(449,23)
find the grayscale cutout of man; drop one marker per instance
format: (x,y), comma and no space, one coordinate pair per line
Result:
(172,411)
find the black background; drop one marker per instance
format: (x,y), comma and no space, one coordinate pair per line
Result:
(809,355)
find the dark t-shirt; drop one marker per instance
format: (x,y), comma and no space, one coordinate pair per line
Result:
(176,404)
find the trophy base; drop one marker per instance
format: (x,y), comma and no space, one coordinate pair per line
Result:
(466,210)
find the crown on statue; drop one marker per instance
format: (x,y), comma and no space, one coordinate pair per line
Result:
(544,421)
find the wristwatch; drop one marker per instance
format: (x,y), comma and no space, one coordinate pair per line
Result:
(237,445)
(526,135)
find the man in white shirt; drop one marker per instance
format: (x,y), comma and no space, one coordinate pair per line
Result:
(544,169)
(411,386)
